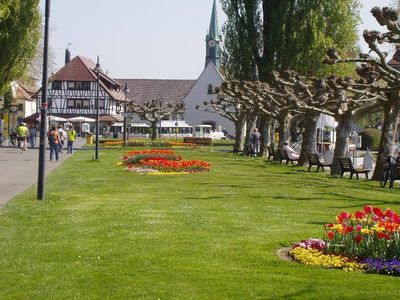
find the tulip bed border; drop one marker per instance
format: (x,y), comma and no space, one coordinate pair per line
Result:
(161,162)
(366,241)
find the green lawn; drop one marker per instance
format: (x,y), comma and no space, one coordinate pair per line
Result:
(103,233)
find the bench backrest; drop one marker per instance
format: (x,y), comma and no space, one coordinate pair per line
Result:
(346,164)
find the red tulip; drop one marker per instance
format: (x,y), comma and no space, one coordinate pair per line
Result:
(359,215)
(330,235)
(358,239)
(367,209)
(377,212)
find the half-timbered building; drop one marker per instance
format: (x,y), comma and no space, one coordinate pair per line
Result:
(73,91)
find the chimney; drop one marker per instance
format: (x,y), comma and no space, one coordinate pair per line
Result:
(67,56)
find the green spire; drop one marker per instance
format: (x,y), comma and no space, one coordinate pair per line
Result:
(213,33)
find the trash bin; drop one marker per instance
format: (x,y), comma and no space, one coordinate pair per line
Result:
(89,138)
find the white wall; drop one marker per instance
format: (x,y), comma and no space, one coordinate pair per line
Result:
(198,94)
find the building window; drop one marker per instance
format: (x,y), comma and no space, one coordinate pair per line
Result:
(82,85)
(70,103)
(210,89)
(86,103)
(56,85)
(101,104)
(78,103)
(71,85)
(20,107)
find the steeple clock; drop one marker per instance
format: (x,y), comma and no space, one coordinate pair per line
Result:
(213,40)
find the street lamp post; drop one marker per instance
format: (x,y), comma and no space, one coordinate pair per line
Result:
(97,70)
(43,108)
(126,91)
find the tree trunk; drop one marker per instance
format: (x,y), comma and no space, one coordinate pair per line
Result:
(154,130)
(240,130)
(309,136)
(250,124)
(343,131)
(391,119)
(284,122)
(265,131)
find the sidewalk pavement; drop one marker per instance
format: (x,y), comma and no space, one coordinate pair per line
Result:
(19,170)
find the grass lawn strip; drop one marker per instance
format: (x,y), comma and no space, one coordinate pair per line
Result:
(106,233)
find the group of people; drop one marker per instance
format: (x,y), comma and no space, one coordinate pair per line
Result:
(255,142)
(56,137)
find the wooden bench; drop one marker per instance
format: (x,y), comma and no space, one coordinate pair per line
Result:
(313,160)
(198,141)
(283,156)
(346,165)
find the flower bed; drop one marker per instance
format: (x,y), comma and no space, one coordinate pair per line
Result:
(368,240)
(161,161)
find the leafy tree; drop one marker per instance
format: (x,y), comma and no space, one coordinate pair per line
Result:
(19,35)
(293,34)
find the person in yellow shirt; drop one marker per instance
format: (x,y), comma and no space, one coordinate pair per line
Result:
(22,135)
(71,139)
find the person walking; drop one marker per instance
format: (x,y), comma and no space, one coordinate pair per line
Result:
(255,142)
(22,135)
(53,138)
(32,136)
(62,138)
(71,139)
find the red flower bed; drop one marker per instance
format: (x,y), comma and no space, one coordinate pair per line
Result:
(163,161)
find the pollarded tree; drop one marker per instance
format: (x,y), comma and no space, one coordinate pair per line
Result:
(381,77)
(230,105)
(154,111)
(19,35)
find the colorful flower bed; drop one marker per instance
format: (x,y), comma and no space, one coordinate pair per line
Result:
(368,240)
(161,162)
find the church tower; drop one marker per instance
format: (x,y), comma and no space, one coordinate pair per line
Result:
(213,40)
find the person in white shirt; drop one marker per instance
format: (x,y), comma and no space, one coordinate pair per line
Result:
(292,154)
(62,138)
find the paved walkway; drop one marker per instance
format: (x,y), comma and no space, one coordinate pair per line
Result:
(19,170)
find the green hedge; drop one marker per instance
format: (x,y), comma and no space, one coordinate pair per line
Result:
(370,138)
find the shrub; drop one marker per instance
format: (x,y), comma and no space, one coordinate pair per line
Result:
(370,139)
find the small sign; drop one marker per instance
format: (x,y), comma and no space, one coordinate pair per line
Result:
(45,105)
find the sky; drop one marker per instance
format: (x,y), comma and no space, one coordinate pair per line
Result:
(145,38)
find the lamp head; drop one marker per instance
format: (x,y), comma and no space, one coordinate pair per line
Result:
(126,89)
(98,69)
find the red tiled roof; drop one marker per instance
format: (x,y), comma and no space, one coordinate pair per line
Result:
(394,62)
(81,69)
(76,70)
(22,93)
(141,90)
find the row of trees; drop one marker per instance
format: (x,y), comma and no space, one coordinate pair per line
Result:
(305,93)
